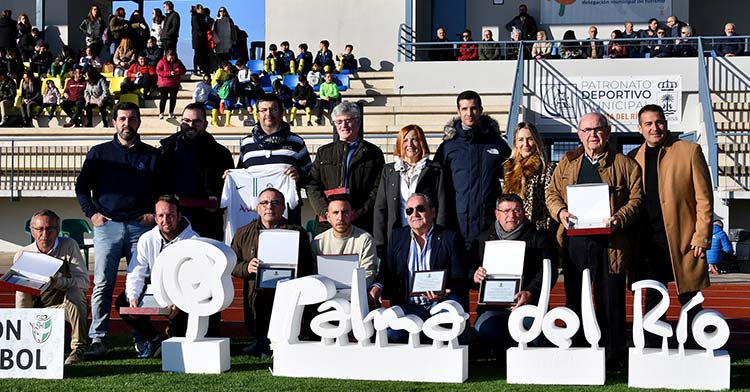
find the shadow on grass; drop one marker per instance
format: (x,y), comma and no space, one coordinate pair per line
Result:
(740,369)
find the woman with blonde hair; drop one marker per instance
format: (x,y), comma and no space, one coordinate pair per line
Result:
(124,57)
(541,49)
(411,172)
(528,173)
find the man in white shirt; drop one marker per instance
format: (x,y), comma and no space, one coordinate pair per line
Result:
(344,238)
(69,285)
(170,228)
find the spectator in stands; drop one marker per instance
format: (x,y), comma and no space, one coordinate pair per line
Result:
(407,250)
(284,94)
(274,63)
(124,57)
(512,52)
(42,59)
(116,188)
(677,212)
(23,26)
(229,92)
(63,63)
(303,97)
(541,48)
(7,96)
(570,48)
(226,31)
(68,286)
(649,32)
(524,22)
(593,48)
(140,32)
(270,142)
(441,52)
(629,32)
(29,44)
(194,163)
(199,36)
(171,30)
(729,47)
(347,61)
(343,238)
(252,92)
(411,172)
(607,256)
(73,98)
(15,65)
(157,25)
(663,46)
(93,26)
(528,172)
(259,303)
(51,99)
(720,246)
(675,26)
(168,72)
(467,51)
(153,52)
(31,95)
(289,57)
(170,228)
(328,97)
(489,50)
(472,153)
(616,49)
(96,95)
(119,27)
(348,164)
(206,96)
(510,224)
(89,60)
(140,75)
(324,58)
(304,61)
(685,47)
(8,31)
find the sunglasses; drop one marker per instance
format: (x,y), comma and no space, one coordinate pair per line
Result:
(410,210)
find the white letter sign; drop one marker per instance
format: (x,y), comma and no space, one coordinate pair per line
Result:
(32,343)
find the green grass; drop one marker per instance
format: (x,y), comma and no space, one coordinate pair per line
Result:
(123,372)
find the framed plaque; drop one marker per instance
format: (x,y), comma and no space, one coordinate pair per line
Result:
(430,280)
(589,203)
(269,277)
(500,291)
(338,268)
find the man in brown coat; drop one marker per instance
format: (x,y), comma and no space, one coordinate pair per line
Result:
(678,209)
(607,256)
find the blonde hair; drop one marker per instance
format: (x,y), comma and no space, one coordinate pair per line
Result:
(420,136)
(540,150)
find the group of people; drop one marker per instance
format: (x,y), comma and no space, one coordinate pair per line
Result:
(282,61)
(660,39)
(415,214)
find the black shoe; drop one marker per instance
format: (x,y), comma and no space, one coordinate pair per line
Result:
(309,123)
(97,349)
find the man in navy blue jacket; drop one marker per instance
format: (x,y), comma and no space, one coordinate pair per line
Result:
(421,246)
(473,152)
(116,188)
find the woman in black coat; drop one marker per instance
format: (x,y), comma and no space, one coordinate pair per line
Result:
(412,172)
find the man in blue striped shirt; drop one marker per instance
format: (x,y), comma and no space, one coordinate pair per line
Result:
(272,144)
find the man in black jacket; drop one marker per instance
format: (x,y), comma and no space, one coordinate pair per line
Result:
(171,30)
(194,163)
(116,188)
(349,165)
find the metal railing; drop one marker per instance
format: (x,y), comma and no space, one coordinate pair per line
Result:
(704,96)
(406,37)
(516,97)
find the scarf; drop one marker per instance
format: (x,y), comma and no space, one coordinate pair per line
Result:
(273,141)
(512,235)
(518,172)
(409,171)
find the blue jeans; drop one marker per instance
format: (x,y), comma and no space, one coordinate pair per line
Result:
(492,328)
(421,311)
(112,241)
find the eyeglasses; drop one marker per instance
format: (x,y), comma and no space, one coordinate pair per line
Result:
(347,121)
(420,209)
(599,129)
(45,229)
(515,211)
(271,203)
(266,110)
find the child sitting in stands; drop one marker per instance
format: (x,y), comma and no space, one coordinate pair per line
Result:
(50,98)
(207,96)
(347,61)
(329,97)
(284,94)
(63,63)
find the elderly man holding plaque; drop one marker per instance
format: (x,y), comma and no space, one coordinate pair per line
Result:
(250,262)
(344,246)
(495,257)
(423,266)
(607,251)
(68,286)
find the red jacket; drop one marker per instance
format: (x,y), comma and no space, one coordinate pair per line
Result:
(163,70)
(147,69)
(467,52)
(75,89)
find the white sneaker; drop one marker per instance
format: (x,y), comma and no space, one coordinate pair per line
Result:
(161,116)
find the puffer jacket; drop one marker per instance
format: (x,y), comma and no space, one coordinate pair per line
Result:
(163,70)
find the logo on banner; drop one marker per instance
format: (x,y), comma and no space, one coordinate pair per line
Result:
(41,328)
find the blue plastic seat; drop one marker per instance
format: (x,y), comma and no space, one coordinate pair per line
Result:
(255,66)
(291,81)
(267,83)
(342,81)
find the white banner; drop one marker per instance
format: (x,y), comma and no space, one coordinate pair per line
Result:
(32,343)
(618,97)
(603,11)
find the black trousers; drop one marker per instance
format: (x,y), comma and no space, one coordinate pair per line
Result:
(73,109)
(609,290)
(163,93)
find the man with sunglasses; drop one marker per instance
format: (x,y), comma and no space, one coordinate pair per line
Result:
(420,246)
(194,163)
(258,304)
(607,256)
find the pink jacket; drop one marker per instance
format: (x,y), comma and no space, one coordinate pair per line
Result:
(163,70)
